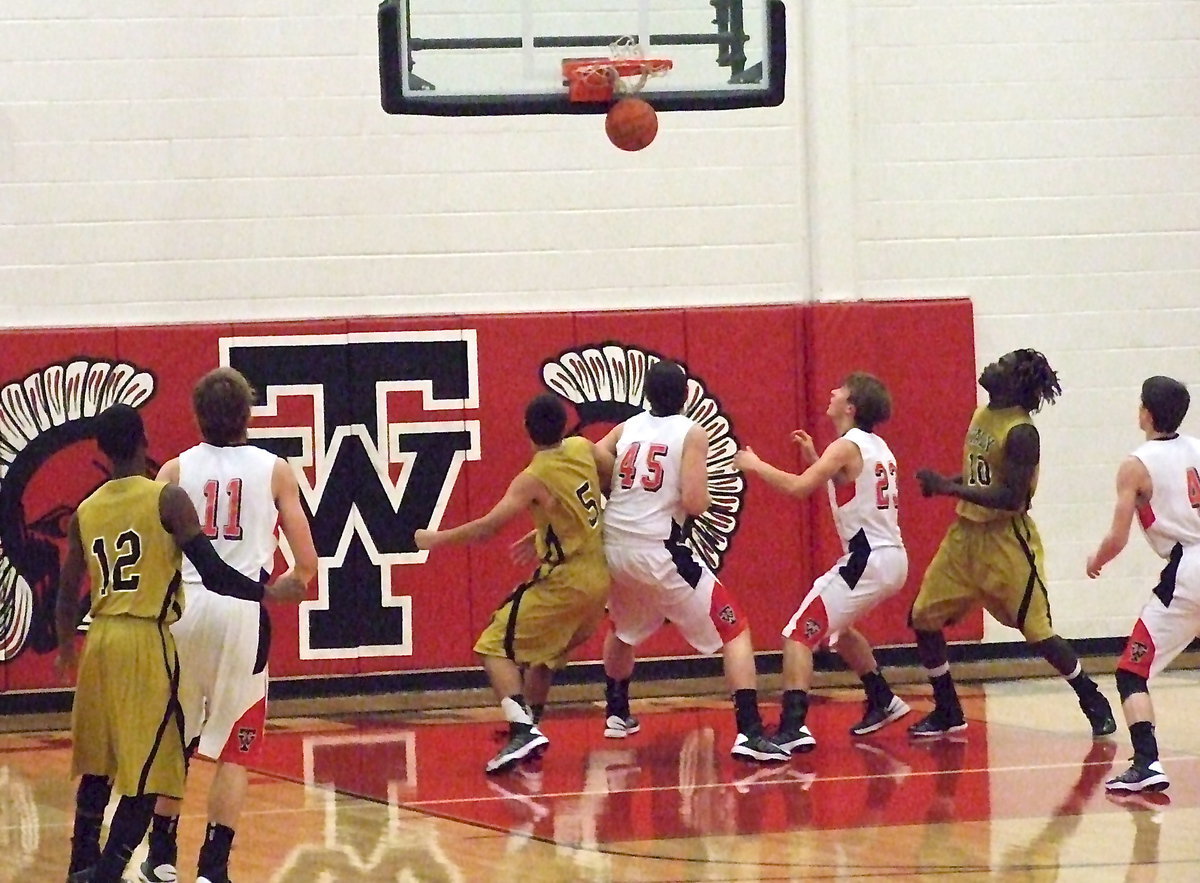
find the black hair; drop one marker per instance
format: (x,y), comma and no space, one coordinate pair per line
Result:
(666,388)
(1167,401)
(119,431)
(871,399)
(1035,382)
(545,419)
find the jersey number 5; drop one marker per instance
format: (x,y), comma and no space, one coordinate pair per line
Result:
(627,471)
(1193,487)
(212,503)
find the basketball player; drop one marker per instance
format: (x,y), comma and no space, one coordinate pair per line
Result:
(992,553)
(1160,481)
(243,492)
(126,727)
(660,479)
(873,566)
(559,608)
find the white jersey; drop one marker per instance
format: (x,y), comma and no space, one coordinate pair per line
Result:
(645,499)
(1171,517)
(869,506)
(231,489)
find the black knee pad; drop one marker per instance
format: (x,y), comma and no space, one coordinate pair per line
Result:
(1129,683)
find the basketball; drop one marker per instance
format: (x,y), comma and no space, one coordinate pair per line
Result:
(631,124)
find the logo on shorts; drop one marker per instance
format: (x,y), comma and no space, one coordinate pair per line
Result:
(246,737)
(1137,651)
(606,383)
(727,615)
(812,628)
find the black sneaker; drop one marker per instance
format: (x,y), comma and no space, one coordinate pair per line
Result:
(1140,777)
(795,740)
(1099,715)
(938,723)
(521,744)
(758,748)
(878,717)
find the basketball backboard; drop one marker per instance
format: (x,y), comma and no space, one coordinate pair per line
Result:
(495,57)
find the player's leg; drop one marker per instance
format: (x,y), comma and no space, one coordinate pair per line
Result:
(536,681)
(619,659)
(804,632)
(883,706)
(1161,633)
(234,732)
(634,613)
(710,619)
(149,750)
(91,800)
(198,641)
(125,832)
(91,750)
(946,594)
(1016,595)
(496,650)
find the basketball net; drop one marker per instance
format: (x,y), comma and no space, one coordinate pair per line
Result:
(625,72)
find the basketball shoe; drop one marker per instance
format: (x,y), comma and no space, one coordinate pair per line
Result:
(1140,776)
(795,740)
(878,717)
(617,727)
(151,873)
(938,722)
(758,748)
(524,739)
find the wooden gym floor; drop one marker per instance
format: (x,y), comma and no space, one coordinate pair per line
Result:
(402,797)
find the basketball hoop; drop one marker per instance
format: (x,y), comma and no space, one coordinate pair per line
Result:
(600,78)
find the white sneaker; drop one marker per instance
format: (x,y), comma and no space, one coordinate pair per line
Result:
(619,727)
(164,873)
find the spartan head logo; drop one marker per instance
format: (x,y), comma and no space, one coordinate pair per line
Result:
(41,417)
(246,737)
(606,384)
(727,615)
(811,628)
(1137,651)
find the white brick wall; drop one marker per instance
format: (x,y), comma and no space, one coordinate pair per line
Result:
(222,161)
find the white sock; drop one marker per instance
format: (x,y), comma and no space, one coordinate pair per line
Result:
(514,712)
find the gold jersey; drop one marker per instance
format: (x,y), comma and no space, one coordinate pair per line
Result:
(131,558)
(983,458)
(573,526)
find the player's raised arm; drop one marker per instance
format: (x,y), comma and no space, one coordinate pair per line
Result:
(841,456)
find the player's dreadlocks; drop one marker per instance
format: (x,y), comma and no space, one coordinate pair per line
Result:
(1037,383)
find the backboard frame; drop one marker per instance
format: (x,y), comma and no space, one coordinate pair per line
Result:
(395,99)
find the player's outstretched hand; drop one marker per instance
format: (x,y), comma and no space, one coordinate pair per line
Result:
(746,460)
(288,589)
(1093,569)
(808,448)
(422,538)
(931,483)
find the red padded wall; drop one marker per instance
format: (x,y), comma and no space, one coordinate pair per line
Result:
(769,368)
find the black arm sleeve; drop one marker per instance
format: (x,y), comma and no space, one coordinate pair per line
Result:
(218,576)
